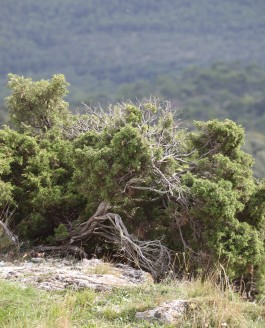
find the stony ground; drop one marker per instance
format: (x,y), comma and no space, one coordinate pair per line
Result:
(129,298)
(60,274)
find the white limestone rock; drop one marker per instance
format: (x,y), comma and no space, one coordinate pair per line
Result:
(167,312)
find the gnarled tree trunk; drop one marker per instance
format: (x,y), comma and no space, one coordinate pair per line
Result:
(151,256)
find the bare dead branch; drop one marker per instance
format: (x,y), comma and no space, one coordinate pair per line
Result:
(5,217)
(12,238)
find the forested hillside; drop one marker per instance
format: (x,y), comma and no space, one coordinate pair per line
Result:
(101,44)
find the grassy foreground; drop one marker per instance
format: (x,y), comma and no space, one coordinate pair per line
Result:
(26,307)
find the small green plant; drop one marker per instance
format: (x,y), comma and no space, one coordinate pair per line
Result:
(60,232)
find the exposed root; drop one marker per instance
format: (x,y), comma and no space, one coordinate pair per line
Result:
(151,256)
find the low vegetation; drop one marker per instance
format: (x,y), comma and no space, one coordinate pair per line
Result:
(26,307)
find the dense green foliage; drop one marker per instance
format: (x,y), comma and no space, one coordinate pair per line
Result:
(220,91)
(37,105)
(195,188)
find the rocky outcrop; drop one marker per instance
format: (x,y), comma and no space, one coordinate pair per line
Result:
(59,274)
(167,312)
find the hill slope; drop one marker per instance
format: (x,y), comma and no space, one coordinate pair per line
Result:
(100,44)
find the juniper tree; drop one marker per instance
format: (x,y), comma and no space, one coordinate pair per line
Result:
(195,189)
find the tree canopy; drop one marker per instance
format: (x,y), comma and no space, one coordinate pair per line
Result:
(193,188)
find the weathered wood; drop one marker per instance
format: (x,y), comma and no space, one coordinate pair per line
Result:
(11,237)
(150,256)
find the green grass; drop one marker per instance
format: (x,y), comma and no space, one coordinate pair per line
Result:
(26,307)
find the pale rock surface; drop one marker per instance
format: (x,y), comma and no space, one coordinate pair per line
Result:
(167,312)
(59,274)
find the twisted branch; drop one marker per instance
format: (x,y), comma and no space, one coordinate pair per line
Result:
(151,256)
